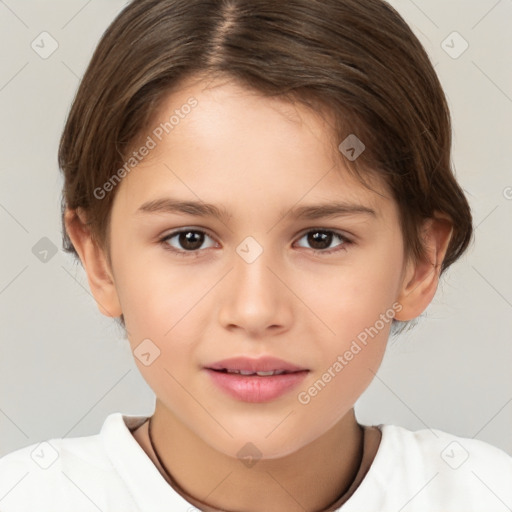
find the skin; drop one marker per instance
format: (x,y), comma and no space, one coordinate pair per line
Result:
(255,157)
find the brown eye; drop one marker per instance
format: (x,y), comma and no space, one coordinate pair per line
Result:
(189,240)
(320,240)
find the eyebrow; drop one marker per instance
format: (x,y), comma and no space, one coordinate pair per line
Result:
(201,209)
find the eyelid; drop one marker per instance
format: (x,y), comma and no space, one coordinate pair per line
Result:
(343,234)
(185,229)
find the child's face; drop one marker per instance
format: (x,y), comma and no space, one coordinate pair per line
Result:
(257,160)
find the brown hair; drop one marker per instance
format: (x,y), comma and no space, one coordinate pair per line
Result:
(360,61)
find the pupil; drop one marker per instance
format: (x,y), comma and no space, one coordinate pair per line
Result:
(320,237)
(191,240)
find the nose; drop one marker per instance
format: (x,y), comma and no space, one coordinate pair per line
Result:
(254,297)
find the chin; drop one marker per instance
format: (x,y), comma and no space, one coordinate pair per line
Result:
(262,442)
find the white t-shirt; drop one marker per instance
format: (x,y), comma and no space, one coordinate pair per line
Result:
(426,470)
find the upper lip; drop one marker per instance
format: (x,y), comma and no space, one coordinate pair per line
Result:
(261,364)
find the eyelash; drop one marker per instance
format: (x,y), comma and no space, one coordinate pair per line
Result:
(195,253)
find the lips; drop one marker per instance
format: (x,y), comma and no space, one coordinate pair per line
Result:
(260,374)
(256,380)
(262,365)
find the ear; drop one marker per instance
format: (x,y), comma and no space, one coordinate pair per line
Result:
(421,278)
(95,263)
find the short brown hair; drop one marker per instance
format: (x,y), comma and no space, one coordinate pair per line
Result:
(359,60)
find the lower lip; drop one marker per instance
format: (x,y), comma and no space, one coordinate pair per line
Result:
(255,388)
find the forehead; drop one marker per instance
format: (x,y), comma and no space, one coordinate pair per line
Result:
(236,144)
(228,108)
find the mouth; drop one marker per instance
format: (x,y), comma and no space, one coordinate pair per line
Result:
(249,373)
(256,380)
(262,366)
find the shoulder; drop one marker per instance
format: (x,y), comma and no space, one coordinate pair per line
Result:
(430,469)
(439,449)
(53,474)
(451,470)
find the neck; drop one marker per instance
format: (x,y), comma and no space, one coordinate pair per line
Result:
(311,478)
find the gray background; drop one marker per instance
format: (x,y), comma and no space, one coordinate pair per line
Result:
(64,367)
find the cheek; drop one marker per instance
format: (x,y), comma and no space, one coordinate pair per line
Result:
(346,362)
(358,306)
(157,296)
(166,305)
(354,298)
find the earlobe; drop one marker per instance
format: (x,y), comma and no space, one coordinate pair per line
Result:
(422,277)
(94,261)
